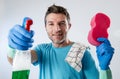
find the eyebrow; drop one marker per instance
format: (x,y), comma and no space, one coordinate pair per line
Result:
(52,21)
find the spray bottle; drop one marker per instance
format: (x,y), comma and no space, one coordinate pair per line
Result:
(22,59)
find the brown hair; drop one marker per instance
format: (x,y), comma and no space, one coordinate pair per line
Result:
(57,9)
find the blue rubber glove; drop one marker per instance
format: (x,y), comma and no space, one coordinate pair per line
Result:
(104,53)
(19,38)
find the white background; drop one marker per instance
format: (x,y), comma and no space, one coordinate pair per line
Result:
(13,11)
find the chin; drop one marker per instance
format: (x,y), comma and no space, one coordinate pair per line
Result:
(58,42)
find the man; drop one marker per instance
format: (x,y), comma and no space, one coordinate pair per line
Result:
(54,58)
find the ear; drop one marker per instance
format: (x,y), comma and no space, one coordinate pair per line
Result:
(69,25)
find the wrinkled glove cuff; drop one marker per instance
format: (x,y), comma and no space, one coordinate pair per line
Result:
(11,52)
(105,74)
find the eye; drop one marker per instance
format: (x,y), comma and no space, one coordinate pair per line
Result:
(62,24)
(50,24)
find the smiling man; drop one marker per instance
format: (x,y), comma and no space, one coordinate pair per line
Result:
(61,58)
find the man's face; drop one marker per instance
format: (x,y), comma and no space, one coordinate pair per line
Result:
(57,27)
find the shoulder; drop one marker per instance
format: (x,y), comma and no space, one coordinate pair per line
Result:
(81,46)
(43,46)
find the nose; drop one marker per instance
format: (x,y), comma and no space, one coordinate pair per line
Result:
(57,28)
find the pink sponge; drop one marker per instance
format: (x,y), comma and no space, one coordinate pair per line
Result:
(99,25)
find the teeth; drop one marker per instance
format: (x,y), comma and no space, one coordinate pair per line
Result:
(57,34)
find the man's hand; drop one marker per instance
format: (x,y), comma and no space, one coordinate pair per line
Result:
(19,38)
(104,53)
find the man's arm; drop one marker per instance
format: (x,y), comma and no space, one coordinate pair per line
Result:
(10,60)
(21,39)
(104,54)
(11,55)
(34,56)
(89,67)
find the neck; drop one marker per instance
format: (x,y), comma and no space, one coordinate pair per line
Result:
(62,44)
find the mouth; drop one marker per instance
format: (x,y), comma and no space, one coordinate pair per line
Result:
(58,34)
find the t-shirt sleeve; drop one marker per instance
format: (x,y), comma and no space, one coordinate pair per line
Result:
(89,67)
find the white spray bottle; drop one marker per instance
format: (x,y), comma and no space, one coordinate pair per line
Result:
(22,59)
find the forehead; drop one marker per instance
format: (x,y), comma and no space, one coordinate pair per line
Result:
(55,17)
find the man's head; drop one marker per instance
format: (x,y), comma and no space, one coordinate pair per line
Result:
(57,23)
(58,10)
